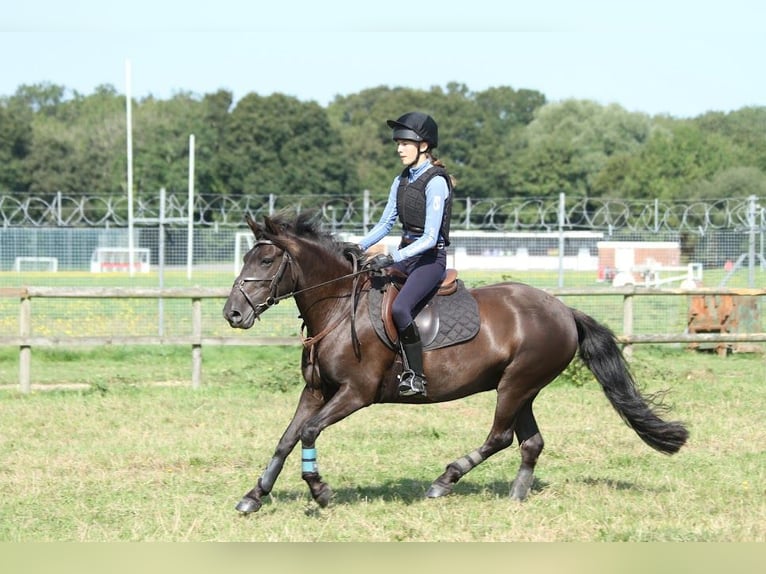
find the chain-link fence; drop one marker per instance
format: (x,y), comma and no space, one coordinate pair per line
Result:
(557,242)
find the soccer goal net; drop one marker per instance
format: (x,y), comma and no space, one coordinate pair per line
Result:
(29,263)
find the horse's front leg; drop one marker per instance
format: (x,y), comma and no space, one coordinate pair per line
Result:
(346,401)
(310,403)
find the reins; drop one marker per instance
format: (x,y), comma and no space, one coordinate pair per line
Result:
(275,297)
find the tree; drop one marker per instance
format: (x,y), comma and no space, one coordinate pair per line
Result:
(735,182)
(501,115)
(161,142)
(15,144)
(677,156)
(79,145)
(279,145)
(569,143)
(505,108)
(42,98)
(19,115)
(746,128)
(477,132)
(210,140)
(499,142)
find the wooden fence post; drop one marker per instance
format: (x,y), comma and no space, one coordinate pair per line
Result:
(196,342)
(627,322)
(25,349)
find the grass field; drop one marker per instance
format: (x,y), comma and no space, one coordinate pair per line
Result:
(136,455)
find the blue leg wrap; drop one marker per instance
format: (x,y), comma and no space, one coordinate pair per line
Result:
(309,460)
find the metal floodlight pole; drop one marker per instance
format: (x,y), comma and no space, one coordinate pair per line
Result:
(562,217)
(365,211)
(161,221)
(751,242)
(129,125)
(190,216)
(161,262)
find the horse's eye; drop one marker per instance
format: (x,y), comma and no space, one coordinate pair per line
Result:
(266,261)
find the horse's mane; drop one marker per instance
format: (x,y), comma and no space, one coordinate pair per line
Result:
(308,225)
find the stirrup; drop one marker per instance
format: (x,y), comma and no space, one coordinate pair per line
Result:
(410,384)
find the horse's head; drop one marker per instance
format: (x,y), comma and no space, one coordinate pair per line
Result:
(267,275)
(288,257)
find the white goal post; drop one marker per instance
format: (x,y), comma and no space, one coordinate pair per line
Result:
(31,263)
(243,242)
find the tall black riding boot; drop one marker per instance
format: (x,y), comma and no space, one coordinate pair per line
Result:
(412,380)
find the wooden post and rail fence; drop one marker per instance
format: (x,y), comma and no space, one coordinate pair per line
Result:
(709,323)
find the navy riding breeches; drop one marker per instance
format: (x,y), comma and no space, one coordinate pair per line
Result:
(424,274)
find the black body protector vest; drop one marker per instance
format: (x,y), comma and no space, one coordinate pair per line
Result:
(411,202)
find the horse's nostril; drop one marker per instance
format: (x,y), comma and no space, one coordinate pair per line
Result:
(235,317)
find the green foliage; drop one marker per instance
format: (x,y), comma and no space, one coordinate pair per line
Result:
(677,160)
(15,144)
(570,142)
(576,374)
(496,142)
(745,128)
(279,145)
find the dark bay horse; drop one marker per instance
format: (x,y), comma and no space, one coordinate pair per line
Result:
(527,338)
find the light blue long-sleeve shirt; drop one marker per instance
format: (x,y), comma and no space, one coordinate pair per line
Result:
(437,193)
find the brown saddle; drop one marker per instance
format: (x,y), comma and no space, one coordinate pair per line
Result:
(427,319)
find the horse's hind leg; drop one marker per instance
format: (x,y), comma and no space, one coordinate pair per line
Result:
(460,467)
(531,445)
(500,437)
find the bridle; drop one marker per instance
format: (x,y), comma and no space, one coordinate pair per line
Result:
(273,297)
(275,280)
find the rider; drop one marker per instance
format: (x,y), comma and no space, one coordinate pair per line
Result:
(421,198)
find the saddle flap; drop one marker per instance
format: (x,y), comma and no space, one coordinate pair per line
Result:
(428,318)
(456,321)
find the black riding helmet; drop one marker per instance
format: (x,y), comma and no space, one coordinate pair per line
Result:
(415,126)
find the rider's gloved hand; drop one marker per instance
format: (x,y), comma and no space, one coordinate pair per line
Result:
(379,262)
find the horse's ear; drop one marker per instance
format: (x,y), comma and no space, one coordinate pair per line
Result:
(279,232)
(256,229)
(273,227)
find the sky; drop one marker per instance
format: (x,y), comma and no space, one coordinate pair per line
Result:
(680,58)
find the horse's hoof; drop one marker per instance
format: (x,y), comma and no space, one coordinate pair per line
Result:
(248,505)
(324,496)
(521,487)
(438,490)
(518,496)
(519,493)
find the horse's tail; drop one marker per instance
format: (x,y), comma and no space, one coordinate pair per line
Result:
(600,352)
